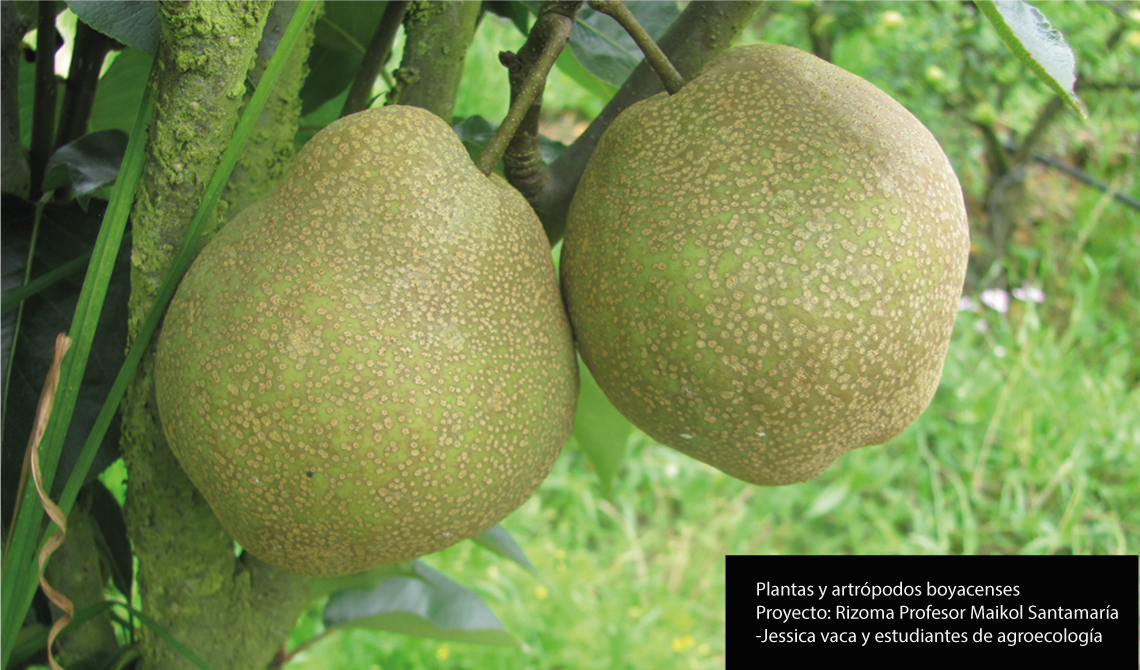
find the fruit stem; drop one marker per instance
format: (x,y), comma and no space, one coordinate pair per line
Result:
(552,32)
(374,58)
(617,10)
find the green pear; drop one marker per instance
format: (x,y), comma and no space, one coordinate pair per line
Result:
(372,362)
(763,269)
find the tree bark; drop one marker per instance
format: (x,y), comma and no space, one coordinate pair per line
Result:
(438,35)
(271,148)
(232,612)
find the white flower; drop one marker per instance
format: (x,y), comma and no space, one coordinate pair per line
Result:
(996,299)
(966,304)
(1029,293)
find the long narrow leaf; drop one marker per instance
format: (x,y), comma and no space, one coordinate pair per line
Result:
(17,295)
(18,579)
(35,643)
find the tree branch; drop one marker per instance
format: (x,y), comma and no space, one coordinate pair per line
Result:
(43,121)
(91,47)
(270,149)
(703,31)
(527,73)
(374,58)
(14,174)
(233,613)
(616,9)
(438,35)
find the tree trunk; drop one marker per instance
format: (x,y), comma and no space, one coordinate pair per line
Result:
(438,35)
(232,612)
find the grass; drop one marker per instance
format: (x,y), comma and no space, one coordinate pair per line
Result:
(1029,447)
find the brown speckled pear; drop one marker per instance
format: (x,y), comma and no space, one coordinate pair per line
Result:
(373,362)
(763,270)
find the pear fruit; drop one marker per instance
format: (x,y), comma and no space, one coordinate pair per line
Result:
(372,362)
(763,269)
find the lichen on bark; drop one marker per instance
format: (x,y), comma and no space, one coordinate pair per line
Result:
(271,148)
(232,612)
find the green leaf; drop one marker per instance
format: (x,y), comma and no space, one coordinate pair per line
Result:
(600,429)
(330,75)
(120,91)
(87,164)
(603,47)
(1029,35)
(475,132)
(570,67)
(500,541)
(132,22)
(111,540)
(517,12)
(65,233)
(423,603)
(360,581)
(341,38)
(29,8)
(348,26)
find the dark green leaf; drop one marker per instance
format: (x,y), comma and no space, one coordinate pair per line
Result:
(88,164)
(132,22)
(66,233)
(347,26)
(1028,34)
(111,539)
(606,50)
(600,429)
(500,541)
(518,13)
(475,132)
(29,8)
(570,67)
(360,581)
(330,74)
(424,603)
(120,91)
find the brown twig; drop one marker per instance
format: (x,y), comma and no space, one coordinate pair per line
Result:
(556,19)
(43,121)
(91,47)
(374,58)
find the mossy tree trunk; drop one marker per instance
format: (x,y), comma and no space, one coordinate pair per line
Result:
(438,35)
(231,611)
